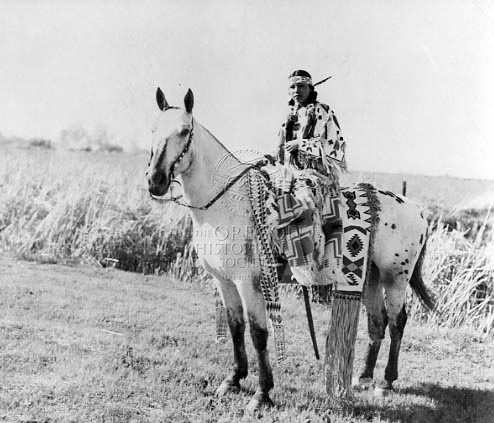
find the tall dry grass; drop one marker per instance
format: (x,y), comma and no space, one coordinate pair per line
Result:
(59,206)
(62,206)
(460,271)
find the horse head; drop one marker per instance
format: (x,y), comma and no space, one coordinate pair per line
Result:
(172,137)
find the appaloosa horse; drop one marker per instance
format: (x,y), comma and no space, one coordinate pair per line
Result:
(225,243)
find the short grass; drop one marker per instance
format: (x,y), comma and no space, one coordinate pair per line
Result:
(84,344)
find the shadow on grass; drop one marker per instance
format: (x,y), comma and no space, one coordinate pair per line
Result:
(431,403)
(427,403)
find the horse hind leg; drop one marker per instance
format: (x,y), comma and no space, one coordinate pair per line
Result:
(396,304)
(377,320)
(396,329)
(395,298)
(236,323)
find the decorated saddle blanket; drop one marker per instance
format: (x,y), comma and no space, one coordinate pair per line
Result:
(359,216)
(324,233)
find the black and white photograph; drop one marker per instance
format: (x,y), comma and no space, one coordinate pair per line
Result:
(246,211)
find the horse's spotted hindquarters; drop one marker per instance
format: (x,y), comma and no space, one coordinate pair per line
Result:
(396,263)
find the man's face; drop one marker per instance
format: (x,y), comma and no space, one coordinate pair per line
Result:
(299,92)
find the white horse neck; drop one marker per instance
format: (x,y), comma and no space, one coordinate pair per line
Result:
(200,183)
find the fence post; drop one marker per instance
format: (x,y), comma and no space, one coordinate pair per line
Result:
(404,188)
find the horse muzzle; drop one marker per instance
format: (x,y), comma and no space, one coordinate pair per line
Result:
(158,183)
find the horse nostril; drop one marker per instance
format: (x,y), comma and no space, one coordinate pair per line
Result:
(156,178)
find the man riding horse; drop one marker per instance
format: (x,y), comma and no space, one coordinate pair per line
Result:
(312,145)
(384,235)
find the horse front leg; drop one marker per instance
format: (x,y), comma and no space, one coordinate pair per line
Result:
(254,303)
(233,304)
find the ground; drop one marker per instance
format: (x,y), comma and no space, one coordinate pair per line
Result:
(86,344)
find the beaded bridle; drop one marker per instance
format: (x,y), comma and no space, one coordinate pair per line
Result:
(179,158)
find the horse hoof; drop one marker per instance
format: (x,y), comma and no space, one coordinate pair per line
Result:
(226,387)
(362,384)
(257,404)
(382,391)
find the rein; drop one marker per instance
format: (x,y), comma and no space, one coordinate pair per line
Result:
(214,199)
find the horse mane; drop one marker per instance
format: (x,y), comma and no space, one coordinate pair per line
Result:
(227,151)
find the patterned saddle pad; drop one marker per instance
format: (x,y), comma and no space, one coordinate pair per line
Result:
(348,221)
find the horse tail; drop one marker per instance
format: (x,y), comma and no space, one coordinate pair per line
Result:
(417,283)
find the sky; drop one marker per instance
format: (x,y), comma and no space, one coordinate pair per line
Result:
(412,80)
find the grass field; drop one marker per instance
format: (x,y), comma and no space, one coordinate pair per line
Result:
(59,206)
(82,344)
(87,342)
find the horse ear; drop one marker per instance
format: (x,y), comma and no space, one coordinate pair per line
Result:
(161,100)
(189,101)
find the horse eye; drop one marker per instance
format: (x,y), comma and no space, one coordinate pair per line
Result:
(184,132)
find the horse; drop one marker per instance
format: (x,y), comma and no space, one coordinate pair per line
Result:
(184,149)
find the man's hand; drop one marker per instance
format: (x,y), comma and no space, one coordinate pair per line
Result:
(292,145)
(270,159)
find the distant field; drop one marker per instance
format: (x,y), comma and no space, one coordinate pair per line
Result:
(444,191)
(59,206)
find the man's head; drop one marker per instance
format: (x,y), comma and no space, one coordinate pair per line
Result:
(300,87)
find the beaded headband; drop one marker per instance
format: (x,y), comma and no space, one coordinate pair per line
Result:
(300,80)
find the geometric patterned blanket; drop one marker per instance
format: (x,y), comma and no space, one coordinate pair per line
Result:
(348,221)
(360,207)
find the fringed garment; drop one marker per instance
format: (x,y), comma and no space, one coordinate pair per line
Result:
(321,143)
(314,183)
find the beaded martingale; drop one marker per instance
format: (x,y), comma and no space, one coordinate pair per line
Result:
(258,192)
